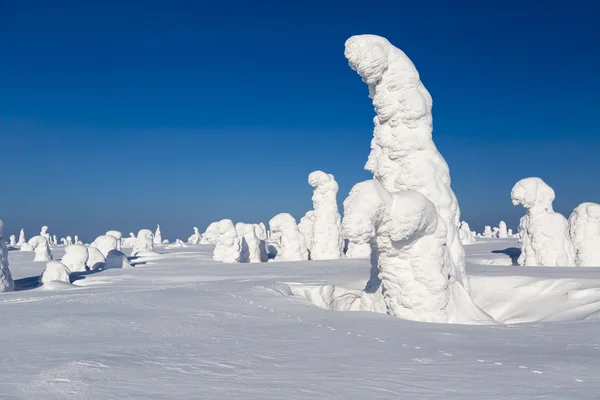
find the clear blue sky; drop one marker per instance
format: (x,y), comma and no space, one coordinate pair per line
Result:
(124,114)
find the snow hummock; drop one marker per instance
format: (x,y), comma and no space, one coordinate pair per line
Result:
(144,242)
(403,155)
(55,271)
(584,231)
(6,281)
(249,242)
(228,247)
(105,243)
(157,236)
(285,235)
(76,257)
(544,233)
(40,245)
(327,239)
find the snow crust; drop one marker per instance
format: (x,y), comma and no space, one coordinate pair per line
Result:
(228,247)
(403,155)
(327,241)
(287,238)
(144,242)
(39,244)
(76,257)
(6,281)
(584,231)
(544,234)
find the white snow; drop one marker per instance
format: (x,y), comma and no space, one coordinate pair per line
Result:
(76,257)
(544,233)
(22,240)
(39,244)
(306,227)
(403,155)
(502,231)
(157,236)
(128,241)
(195,238)
(487,232)
(117,235)
(144,242)
(228,247)
(6,281)
(584,231)
(250,243)
(360,208)
(105,243)
(116,259)
(466,235)
(95,259)
(327,242)
(12,240)
(211,234)
(287,239)
(55,271)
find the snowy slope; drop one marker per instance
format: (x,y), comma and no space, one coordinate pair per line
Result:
(184,327)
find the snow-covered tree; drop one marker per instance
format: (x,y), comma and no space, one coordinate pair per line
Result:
(117,235)
(584,229)
(55,271)
(22,239)
(261,234)
(403,155)
(211,234)
(75,258)
(488,232)
(144,242)
(39,244)
(195,238)
(105,243)
(249,242)
(285,235)
(44,233)
(465,233)
(6,281)
(359,210)
(228,247)
(12,240)
(544,233)
(327,238)
(502,230)
(306,227)
(116,259)
(95,259)
(157,236)
(128,241)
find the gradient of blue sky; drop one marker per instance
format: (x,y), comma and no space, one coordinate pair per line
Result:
(124,114)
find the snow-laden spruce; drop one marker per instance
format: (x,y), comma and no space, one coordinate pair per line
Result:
(195,238)
(544,234)
(249,242)
(96,259)
(157,236)
(41,247)
(117,235)
(116,259)
(584,230)
(76,257)
(6,281)
(287,239)
(403,155)
(12,240)
(306,227)
(22,239)
(327,238)
(44,233)
(55,271)
(488,232)
(128,241)
(261,234)
(360,208)
(502,230)
(228,247)
(211,234)
(466,235)
(144,243)
(105,243)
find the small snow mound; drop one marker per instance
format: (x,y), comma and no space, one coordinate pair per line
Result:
(55,271)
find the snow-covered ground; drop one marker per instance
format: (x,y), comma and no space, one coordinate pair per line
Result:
(181,326)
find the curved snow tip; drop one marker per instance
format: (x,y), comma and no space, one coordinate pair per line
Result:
(531,192)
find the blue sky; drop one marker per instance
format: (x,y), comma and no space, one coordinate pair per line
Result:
(124,114)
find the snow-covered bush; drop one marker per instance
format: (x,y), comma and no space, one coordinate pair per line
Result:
(128,241)
(211,234)
(488,232)
(96,259)
(285,235)
(117,235)
(6,281)
(144,242)
(249,242)
(116,259)
(228,246)
(55,271)
(157,235)
(502,230)
(306,227)
(403,155)
(105,243)
(544,233)
(39,244)
(584,229)
(465,233)
(22,240)
(195,238)
(12,240)
(76,257)
(327,238)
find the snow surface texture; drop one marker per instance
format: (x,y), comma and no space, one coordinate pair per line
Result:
(584,230)
(403,155)
(39,244)
(6,281)
(105,243)
(185,327)
(211,234)
(116,259)
(157,236)
(75,258)
(195,238)
(289,242)
(249,242)
(544,233)
(465,233)
(327,238)
(502,231)
(144,242)
(55,271)
(228,247)
(306,227)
